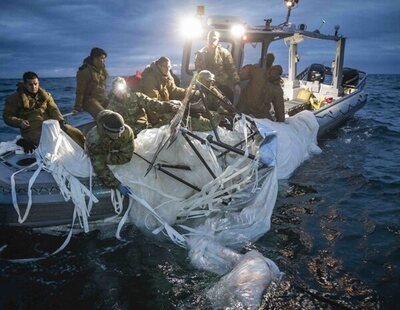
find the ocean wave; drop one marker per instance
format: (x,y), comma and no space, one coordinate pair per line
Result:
(7,90)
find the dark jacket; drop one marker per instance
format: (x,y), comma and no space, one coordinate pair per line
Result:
(274,97)
(34,108)
(158,86)
(252,97)
(90,84)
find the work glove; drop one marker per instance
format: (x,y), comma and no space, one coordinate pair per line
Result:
(62,125)
(174,105)
(123,190)
(28,146)
(24,124)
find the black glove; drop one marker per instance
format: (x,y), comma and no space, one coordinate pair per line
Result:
(28,146)
(62,125)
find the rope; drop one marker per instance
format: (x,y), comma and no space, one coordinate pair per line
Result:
(176,237)
(47,255)
(14,193)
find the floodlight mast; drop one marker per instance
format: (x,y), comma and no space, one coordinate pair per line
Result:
(290,4)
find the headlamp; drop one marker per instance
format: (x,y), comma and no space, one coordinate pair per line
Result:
(120,87)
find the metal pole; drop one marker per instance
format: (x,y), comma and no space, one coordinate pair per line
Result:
(199,155)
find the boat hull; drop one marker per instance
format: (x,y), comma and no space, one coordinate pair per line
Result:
(335,114)
(49,207)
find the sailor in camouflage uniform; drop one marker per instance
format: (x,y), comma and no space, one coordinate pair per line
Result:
(219,107)
(111,142)
(219,61)
(135,107)
(29,107)
(158,83)
(91,95)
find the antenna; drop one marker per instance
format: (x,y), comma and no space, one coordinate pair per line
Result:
(322,23)
(336,30)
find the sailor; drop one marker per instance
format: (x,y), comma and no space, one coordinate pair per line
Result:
(220,107)
(157,83)
(251,100)
(110,142)
(28,107)
(216,100)
(135,107)
(91,79)
(219,61)
(274,95)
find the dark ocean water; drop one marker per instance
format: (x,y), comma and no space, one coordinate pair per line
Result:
(335,233)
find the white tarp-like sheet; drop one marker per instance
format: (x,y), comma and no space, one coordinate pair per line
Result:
(59,155)
(297,140)
(227,201)
(232,209)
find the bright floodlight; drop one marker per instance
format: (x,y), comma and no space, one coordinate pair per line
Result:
(191,27)
(237,31)
(290,3)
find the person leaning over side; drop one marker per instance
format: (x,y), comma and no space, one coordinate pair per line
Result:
(28,107)
(213,109)
(251,100)
(134,107)
(110,142)
(91,95)
(274,95)
(217,59)
(157,83)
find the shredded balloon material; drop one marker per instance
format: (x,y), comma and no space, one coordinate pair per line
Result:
(210,194)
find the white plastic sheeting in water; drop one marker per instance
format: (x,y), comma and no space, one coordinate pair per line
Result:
(226,203)
(232,208)
(297,140)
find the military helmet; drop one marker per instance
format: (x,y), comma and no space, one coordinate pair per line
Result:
(206,77)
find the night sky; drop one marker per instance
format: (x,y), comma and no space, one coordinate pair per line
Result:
(52,37)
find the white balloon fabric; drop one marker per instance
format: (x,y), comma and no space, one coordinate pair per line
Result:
(234,201)
(296,138)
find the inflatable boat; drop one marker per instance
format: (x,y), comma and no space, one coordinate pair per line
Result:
(331,93)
